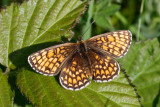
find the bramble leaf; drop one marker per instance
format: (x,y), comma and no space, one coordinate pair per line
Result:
(6,95)
(142,65)
(34,22)
(45,90)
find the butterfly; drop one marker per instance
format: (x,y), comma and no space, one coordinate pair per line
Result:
(93,58)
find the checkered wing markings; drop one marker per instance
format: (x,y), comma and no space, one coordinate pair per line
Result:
(74,74)
(104,68)
(115,44)
(49,61)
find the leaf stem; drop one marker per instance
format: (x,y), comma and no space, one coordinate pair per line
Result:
(139,20)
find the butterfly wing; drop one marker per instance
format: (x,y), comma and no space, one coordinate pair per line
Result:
(114,44)
(103,67)
(50,60)
(74,73)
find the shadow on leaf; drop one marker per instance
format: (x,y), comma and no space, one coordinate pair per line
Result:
(20,57)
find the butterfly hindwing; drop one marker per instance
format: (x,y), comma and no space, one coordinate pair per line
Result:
(103,67)
(74,73)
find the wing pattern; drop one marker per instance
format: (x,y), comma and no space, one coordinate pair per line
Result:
(103,67)
(74,74)
(49,61)
(114,44)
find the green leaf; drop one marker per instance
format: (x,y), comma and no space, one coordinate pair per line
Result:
(34,22)
(142,65)
(46,91)
(108,10)
(101,4)
(102,22)
(87,29)
(6,95)
(102,15)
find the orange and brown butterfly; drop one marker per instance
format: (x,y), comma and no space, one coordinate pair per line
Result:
(79,61)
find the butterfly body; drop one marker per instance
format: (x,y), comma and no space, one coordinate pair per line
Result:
(83,52)
(78,61)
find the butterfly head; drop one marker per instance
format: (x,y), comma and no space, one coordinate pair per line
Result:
(79,38)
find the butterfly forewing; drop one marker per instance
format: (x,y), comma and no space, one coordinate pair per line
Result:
(114,44)
(50,60)
(74,73)
(103,67)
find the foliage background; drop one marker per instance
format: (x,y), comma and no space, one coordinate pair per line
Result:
(142,18)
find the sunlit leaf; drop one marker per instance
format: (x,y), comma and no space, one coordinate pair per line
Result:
(142,65)
(35,21)
(6,95)
(45,90)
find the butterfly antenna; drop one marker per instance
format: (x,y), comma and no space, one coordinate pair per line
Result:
(88,28)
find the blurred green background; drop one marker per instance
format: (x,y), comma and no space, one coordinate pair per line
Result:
(141,17)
